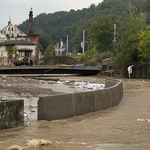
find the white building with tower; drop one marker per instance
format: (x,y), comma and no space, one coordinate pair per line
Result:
(26,45)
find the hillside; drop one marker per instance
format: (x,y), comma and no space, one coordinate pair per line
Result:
(55,26)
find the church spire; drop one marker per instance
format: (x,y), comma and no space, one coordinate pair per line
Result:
(9,22)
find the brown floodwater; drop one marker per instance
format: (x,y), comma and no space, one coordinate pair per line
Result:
(126,126)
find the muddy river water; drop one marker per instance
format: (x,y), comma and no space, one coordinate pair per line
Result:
(125,127)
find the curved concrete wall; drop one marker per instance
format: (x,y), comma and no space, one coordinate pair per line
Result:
(69,105)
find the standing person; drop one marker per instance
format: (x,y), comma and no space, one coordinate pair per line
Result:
(26,119)
(130,70)
(28,62)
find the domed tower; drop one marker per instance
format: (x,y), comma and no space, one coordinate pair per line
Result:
(33,37)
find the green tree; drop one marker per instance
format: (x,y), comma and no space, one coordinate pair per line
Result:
(144,46)
(49,52)
(44,40)
(101,34)
(128,28)
(11,52)
(89,55)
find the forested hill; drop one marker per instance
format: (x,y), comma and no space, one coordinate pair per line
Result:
(55,26)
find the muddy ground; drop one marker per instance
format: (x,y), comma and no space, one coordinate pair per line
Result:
(20,86)
(125,127)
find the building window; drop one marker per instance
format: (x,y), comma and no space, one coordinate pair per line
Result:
(25,54)
(21,54)
(28,54)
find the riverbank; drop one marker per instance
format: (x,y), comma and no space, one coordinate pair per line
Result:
(38,85)
(21,86)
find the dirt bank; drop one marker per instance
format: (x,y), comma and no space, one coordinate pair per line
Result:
(22,85)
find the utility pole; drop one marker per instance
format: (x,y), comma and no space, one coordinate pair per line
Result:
(115,27)
(83,44)
(67,46)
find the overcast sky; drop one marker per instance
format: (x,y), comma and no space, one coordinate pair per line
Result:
(18,10)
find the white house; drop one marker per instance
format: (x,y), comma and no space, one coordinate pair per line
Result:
(25,45)
(11,32)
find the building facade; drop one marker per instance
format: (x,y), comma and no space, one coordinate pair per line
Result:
(25,45)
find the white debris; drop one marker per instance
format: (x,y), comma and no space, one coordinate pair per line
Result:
(37,142)
(143,120)
(86,85)
(60,81)
(14,147)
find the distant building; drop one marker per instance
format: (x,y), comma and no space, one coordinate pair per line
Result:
(59,50)
(25,45)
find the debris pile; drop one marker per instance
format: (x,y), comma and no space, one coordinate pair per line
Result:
(82,84)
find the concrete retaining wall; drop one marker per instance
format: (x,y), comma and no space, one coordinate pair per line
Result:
(55,107)
(84,102)
(69,105)
(11,114)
